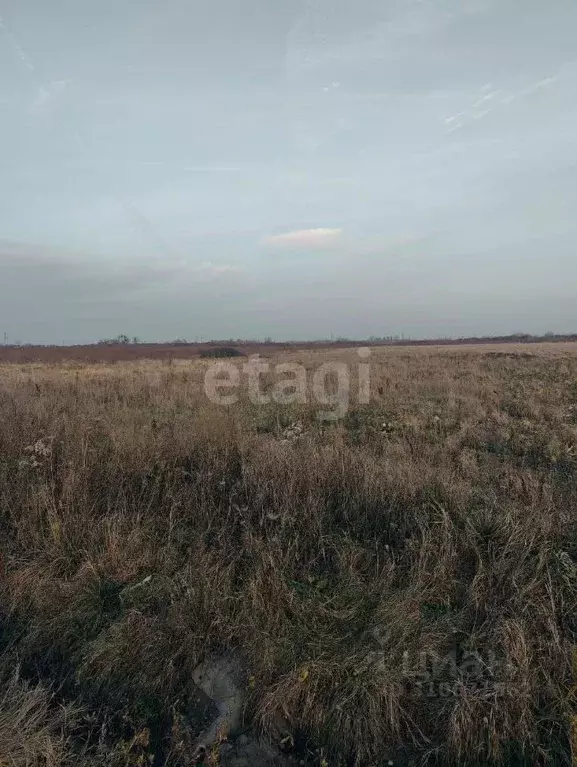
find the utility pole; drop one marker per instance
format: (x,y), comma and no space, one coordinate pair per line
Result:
(5,338)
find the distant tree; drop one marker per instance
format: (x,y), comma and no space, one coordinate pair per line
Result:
(121,339)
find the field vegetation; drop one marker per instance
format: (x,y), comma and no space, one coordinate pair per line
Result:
(398,586)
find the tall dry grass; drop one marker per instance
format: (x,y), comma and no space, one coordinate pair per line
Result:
(400,585)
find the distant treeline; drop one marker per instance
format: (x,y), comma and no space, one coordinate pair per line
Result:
(126,341)
(127,349)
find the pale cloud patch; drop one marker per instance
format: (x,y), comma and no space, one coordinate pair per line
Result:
(304,238)
(492,99)
(211,270)
(46,96)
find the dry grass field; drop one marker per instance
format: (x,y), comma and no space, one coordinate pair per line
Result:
(398,586)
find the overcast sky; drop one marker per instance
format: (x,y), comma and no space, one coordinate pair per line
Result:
(287,168)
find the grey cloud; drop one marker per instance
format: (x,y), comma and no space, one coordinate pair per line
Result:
(437,135)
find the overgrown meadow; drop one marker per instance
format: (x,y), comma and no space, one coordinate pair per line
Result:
(399,585)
